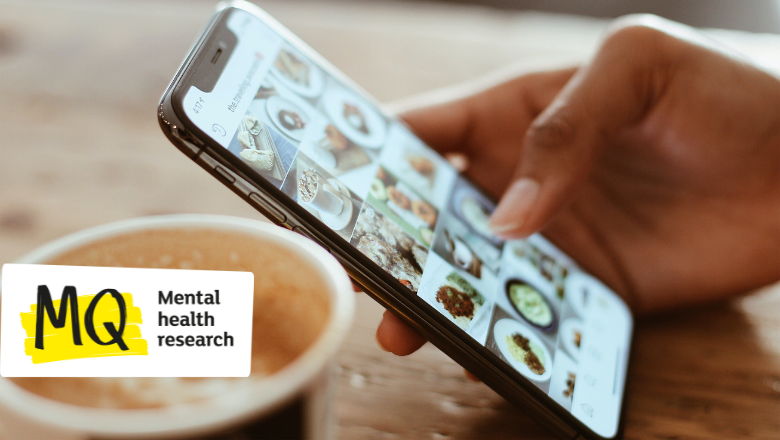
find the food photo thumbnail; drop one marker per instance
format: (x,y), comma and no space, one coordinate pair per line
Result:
(400,202)
(390,247)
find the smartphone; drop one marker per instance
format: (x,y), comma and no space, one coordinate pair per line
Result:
(285,130)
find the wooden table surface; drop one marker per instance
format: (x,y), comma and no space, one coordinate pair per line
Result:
(80,146)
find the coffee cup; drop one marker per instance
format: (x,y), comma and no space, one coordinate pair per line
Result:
(289,393)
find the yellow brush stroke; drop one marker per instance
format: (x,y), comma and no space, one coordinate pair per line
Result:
(58,342)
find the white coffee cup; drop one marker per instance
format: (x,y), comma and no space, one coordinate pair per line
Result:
(302,392)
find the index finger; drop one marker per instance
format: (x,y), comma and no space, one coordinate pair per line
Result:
(457,124)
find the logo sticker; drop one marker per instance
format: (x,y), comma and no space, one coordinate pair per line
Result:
(74,321)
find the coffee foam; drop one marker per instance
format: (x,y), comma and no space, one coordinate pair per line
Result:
(290,311)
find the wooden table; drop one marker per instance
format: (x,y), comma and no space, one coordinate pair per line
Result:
(80,146)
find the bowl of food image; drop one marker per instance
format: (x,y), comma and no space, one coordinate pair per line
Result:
(531,304)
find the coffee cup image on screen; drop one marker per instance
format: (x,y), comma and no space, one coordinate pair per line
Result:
(464,248)
(323,195)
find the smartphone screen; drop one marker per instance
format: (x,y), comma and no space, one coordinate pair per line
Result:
(365,175)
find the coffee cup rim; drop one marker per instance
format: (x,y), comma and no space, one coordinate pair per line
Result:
(255,399)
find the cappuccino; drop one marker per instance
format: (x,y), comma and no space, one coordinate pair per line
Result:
(290,311)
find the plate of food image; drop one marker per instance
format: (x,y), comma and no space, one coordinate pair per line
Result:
(387,245)
(531,304)
(459,299)
(289,117)
(406,204)
(420,170)
(523,349)
(355,118)
(298,73)
(378,190)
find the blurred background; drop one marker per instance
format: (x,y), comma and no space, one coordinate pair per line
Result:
(80,146)
(747,15)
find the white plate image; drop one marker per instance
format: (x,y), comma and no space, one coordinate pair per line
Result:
(459,321)
(362,124)
(311,85)
(507,327)
(407,214)
(568,333)
(323,157)
(474,209)
(282,113)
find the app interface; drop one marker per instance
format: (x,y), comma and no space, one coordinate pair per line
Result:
(368,178)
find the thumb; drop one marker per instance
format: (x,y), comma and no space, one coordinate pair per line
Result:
(560,147)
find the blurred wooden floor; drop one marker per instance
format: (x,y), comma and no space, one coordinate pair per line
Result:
(80,146)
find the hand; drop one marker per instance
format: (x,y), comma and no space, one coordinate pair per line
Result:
(656,166)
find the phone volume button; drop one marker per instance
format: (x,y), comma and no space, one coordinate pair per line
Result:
(267,207)
(225,174)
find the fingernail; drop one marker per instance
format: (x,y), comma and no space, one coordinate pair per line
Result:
(515,206)
(376,336)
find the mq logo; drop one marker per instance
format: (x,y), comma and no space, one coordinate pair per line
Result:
(108,318)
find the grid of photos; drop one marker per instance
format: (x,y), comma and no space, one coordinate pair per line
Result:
(532,327)
(400,204)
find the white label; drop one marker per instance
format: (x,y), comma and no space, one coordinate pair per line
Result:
(126,323)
